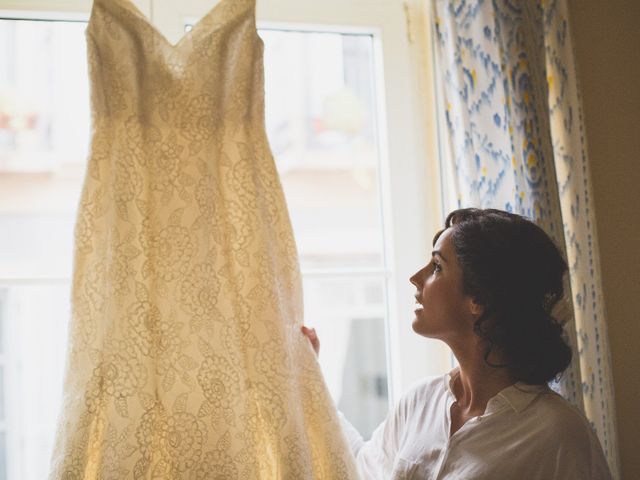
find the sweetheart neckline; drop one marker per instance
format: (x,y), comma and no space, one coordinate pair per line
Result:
(133,8)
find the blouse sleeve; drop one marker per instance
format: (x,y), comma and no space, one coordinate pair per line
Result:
(376,458)
(578,454)
(588,462)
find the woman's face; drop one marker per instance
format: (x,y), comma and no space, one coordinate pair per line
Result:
(442,309)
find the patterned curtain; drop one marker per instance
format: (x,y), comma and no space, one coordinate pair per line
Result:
(514,140)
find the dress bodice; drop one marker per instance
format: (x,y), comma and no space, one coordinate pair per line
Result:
(208,75)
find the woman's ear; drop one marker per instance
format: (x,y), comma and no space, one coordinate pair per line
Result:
(475,307)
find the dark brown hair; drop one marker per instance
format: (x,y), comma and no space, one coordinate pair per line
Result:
(512,268)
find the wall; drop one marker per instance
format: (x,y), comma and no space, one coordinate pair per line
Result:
(607,40)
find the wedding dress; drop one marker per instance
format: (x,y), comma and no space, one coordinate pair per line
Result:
(185,356)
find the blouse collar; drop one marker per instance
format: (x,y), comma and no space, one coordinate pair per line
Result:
(517,396)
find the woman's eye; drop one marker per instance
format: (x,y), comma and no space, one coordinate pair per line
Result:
(437,267)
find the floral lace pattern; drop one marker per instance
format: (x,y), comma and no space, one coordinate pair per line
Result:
(185,357)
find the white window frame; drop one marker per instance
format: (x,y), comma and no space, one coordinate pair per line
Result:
(407,134)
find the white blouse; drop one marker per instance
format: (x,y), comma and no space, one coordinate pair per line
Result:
(526,432)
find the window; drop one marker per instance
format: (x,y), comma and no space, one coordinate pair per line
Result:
(322,127)
(349,143)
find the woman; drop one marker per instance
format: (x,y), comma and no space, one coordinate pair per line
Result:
(487,292)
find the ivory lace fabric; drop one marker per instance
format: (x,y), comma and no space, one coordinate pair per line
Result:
(186,360)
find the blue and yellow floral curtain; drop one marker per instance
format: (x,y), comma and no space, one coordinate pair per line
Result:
(514,140)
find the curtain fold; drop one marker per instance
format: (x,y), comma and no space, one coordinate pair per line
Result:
(514,140)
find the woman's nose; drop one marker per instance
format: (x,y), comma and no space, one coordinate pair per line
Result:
(415,279)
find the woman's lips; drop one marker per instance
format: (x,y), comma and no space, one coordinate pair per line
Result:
(418,305)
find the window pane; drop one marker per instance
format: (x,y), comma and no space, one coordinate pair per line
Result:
(36,320)
(34,245)
(3,304)
(2,316)
(2,415)
(3,456)
(44,113)
(44,133)
(322,130)
(351,327)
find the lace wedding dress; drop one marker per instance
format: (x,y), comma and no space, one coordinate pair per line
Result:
(185,355)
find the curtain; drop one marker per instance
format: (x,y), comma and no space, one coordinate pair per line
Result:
(514,139)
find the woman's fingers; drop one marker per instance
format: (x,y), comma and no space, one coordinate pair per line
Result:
(311,334)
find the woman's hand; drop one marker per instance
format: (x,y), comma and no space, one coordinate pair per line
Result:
(311,334)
